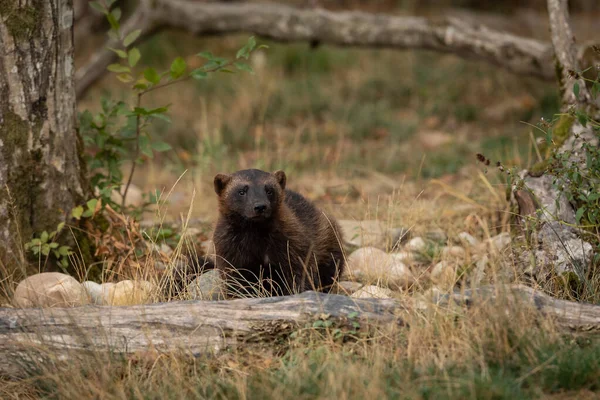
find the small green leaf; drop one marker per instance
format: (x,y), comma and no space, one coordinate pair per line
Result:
(91,204)
(64,262)
(45,249)
(131,37)
(98,7)
(161,146)
(178,67)
(77,212)
(145,147)
(114,23)
(151,75)
(126,78)
(64,250)
(116,13)
(579,214)
(595,89)
(353,315)
(44,237)
(227,71)
(118,68)
(53,245)
(582,118)
(60,227)
(87,213)
(245,51)
(576,89)
(140,86)
(35,242)
(206,54)
(243,67)
(120,53)
(198,74)
(134,57)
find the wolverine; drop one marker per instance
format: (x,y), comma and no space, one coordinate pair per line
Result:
(270,240)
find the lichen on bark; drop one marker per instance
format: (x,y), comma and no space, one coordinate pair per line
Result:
(41,175)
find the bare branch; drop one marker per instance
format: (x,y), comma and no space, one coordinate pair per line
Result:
(288,24)
(565,52)
(96,66)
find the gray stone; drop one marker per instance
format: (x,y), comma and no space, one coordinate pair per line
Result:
(348,287)
(468,239)
(438,236)
(208,286)
(417,244)
(398,236)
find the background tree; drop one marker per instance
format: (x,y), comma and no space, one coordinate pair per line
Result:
(41,174)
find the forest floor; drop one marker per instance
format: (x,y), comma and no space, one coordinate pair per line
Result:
(368,135)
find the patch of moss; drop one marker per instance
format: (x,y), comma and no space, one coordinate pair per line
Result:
(560,133)
(20,21)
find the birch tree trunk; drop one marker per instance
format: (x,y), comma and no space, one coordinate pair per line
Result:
(41,173)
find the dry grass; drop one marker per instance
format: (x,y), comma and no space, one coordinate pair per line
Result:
(366,135)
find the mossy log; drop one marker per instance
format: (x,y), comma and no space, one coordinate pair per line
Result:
(201,327)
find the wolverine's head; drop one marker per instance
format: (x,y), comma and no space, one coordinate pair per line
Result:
(251,193)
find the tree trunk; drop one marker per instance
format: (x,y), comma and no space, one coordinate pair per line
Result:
(558,247)
(41,173)
(200,327)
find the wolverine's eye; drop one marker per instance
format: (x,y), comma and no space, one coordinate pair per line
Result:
(269,191)
(241,192)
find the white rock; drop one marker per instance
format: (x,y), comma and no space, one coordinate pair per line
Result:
(369,265)
(364,233)
(399,276)
(416,244)
(443,274)
(453,252)
(165,248)
(479,273)
(126,293)
(500,242)
(50,289)
(98,293)
(372,292)
(468,238)
(208,286)
(403,256)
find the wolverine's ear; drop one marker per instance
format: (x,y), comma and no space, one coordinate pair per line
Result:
(281,178)
(220,182)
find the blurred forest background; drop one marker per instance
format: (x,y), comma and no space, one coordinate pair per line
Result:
(350,126)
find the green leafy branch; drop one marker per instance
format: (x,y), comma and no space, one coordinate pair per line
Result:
(142,82)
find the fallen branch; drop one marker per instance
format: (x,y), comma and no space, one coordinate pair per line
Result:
(196,327)
(289,24)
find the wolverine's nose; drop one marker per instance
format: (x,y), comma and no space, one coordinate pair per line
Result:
(260,208)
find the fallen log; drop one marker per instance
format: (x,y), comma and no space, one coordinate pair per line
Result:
(202,327)
(283,23)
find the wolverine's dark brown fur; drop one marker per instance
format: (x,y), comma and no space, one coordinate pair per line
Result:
(271,240)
